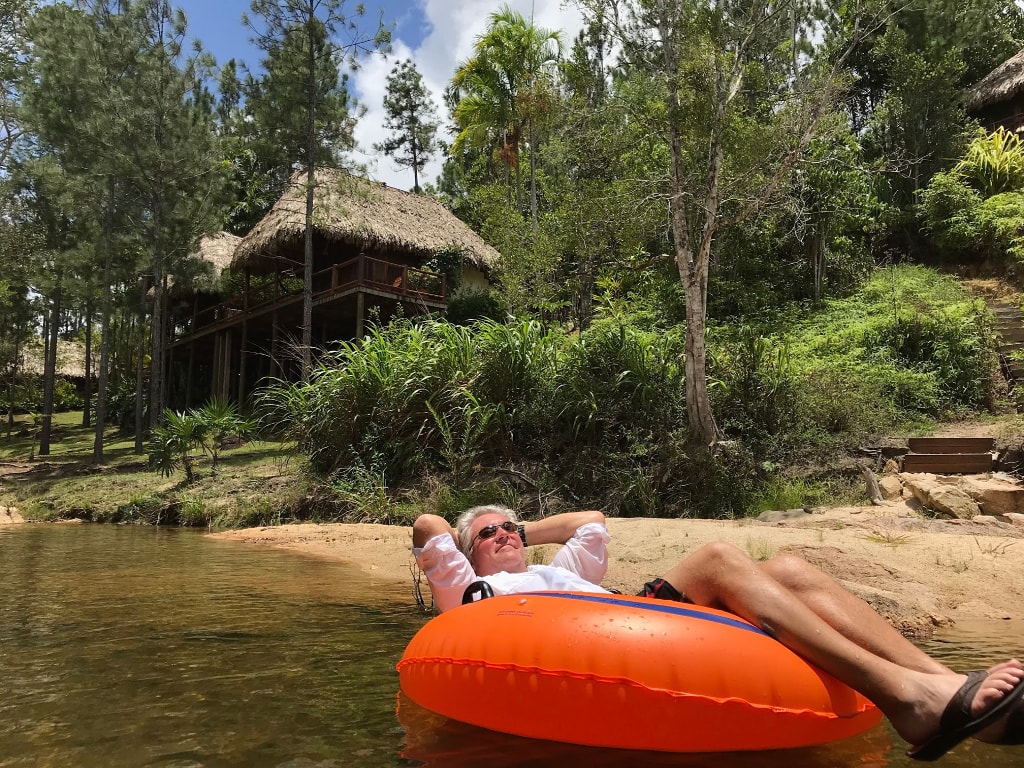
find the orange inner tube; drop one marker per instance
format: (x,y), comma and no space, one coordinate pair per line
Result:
(627,672)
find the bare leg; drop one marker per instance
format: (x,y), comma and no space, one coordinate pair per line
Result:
(723,576)
(848,614)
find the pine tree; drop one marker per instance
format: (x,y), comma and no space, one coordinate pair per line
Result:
(20,245)
(120,117)
(13,14)
(412,119)
(303,101)
(172,164)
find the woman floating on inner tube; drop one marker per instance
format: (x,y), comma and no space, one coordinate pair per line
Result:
(927,703)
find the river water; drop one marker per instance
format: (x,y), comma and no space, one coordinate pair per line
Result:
(127,646)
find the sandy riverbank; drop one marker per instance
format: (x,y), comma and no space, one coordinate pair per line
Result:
(921,574)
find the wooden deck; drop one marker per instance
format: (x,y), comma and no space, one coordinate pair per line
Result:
(361,275)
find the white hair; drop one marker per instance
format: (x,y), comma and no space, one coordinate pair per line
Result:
(465,522)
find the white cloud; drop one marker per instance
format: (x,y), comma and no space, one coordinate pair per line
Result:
(454,27)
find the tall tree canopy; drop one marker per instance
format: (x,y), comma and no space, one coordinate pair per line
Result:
(13,15)
(504,89)
(411,117)
(138,149)
(736,111)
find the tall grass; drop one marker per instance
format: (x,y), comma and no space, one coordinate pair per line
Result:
(599,416)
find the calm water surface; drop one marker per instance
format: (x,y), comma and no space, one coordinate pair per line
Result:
(124,646)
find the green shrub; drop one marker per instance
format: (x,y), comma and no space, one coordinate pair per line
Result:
(1005,213)
(953,214)
(784,493)
(618,385)
(469,305)
(28,395)
(976,211)
(192,512)
(831,401)
(179,435)
(599,417)
(755,392)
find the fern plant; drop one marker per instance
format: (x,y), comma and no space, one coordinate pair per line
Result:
(994,163)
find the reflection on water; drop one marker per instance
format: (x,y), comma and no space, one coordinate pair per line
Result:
(123,646)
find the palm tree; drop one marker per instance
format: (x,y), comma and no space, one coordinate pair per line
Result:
(503,89)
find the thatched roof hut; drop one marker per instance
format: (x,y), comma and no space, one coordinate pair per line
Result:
(70,359)
(214,250)
(362,214)
(217,250)
(1004,83)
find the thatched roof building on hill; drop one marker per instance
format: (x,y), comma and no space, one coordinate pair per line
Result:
(377,252)
(998,98)
(362,215)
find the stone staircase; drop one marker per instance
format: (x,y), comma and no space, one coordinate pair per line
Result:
(1009,328)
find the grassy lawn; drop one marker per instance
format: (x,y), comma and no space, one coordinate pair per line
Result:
(261,482)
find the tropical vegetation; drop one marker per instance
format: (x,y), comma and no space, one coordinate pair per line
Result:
(707,213)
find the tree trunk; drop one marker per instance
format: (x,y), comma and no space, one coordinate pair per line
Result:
(156,361)
(533,178)
(101,382)
(307,278)
(415,158)
(700,418)
(693,264)
(140,355)
(87,386)
(10,385)
(50,369)
(307,282)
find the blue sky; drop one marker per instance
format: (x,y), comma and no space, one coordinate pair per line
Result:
(436,34)
(218,24)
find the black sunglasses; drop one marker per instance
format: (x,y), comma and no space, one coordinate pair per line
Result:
(490,530)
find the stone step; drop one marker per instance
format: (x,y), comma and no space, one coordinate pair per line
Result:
(950,444)
(1012,334)
(948,463)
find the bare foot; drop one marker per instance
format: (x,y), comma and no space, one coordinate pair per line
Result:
(929,696)
(1002,678)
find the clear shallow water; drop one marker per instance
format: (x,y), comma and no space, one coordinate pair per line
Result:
(124,646)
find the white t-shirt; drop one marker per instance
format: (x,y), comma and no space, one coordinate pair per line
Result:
(578,566)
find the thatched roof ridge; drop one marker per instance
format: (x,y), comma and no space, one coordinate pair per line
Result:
(365,214)
(1002,83)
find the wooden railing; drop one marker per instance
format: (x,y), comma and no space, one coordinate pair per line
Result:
(364,272)
(361,272)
